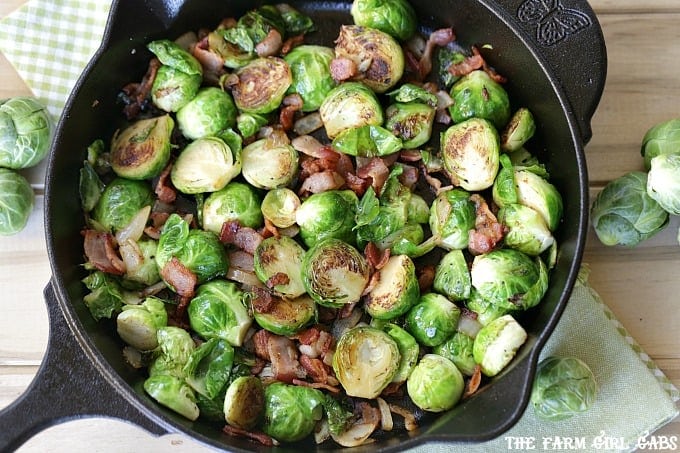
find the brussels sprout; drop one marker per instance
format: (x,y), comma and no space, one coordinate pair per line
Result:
(409,350)
(433,319)
(218,311)
(518,131)
(279,206)
(208,113)
(485,309)
(365,361)
(244,402)
(248,124)
(172,392)
(90,187)
(339,414)
(178,79)
(291,411)
(663,138)
(412,123)
(444,58)
(476,95)
(367,141)
(470,151)
(504,190)
(663,182)
(624,214)
(537,193)
(105,297)
(138,325)
(209,366)
(458,349)
(25,132)
(16,202)
(236,201)
(452,216)
(205,165)
(175,346)
(418,210)
(295,22)
(334,273)
(350,105)
(268,164)
(528,232)
(234,56)
(563,387)
(142,150)
(280,256)
(287,316)
(397,289)
(140,261)
(310,68)
(120,202)
(378,56)
(326,215)
(262,84)
(394,17)
(497,343)
(509,278)
(435,385)
(452,276)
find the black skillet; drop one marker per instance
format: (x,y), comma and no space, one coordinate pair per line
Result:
(551,51)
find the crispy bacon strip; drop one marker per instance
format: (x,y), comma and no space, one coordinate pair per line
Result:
(426,277)
(377,170)
(245,238)
(474,382)
(488,230)
(262,301)
(466,66)
(343,69)
(139,92)
(321,182)
(292,42)
(315,369)
(291,104)
(179,277)
(284,358)
(441,37)
(259,436)
(164,190)
(376,258)
(260,340)
(100,249)
(278,278)
(211,62)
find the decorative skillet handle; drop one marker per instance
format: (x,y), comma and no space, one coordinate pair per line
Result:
(68,385)
(568,35)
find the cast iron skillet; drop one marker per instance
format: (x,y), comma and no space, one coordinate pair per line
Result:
(555,60)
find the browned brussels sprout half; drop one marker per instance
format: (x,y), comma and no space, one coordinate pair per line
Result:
(262,84)
(142,150)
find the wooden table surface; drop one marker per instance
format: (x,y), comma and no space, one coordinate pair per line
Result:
(640,285)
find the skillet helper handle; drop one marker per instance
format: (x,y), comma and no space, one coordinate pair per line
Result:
(567,34)
(67,386)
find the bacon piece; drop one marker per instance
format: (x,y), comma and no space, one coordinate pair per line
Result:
(211,62)
(315,368)
(291,43)
(278,278)
(284,358)
(262,301)
(409,176)
(377,170)
(100,250)
(474,382)
(466,66)
(317,385)
(376,258)
(179,277)
(291,104)
(139,92)
(321,182)
(245,238)
(426,278)
(270,45)
(343,69)
(410,155)
(441,37)
(356,184)
(259,436)
(488,230)
(260,340)
(163,189)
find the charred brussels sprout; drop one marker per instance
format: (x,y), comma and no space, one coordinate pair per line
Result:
(377,55)
(280,256)
(291,411)
(310,69)
(435,385)
(268,164)
(287,316)
(624,214)
(528,232)
(433,319)
(452,276)
(350,105)
(120,201)
(236,201)
(397,289)
(25,132)
(518,131)
(663,138)
(470,151)
(327,214)
(452,216)
(663,182)
(279,207)
(138,325)
(497,343)
(412,123)
(365,361)
(244,402)
(142,150)
(458,349)
(394,17)
(476,95)
(210,112)
(205,165)
(179,77)
(334,273)
(16,202)
(262,84)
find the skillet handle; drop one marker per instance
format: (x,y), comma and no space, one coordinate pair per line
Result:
(67,386)
(567,34)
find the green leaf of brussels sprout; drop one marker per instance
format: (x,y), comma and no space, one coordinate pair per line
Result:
(452,216)
(458,349)
(435,385)
(234,45)
(291,411)
(433,319)
(350,105)
(312,79)
(445,57)
(205,165)
(16,202)
(409,350)
(90,187)
(662,138)
(504,190)
(339,417)
(105,297)
(663,182)
(138,325)
(476,95)
(328,214)
(295,22)
(211,111)
(397,289)
(367,141)
(25,132)
(394,17)
(236,201)
(209,367)
(120,201)
(410,93)
(173,393)
(173,55)
(175,346)
(497,343)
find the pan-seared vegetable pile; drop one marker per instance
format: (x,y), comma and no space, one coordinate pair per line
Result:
(299,238)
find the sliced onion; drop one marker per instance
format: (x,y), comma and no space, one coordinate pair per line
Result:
(248,279)
(340,326)
(357,435)
(410,422)
(386,422)
(322,431)
(308,145)
(131,255)
(308,124)
(135,228)
(468,325)
(242,260)
(153,289)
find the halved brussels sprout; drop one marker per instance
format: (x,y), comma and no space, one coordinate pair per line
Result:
(262,84)
(172,392)
(334,273)
(281,256)
(662,138)
(16,202)
(528,232)
(418,210)
(409,350)
(244,402)
(452,216)
(178,79)
(120,202)
(175,346)
(25,132)
(209,367)
(105,297)
(310,68)
(518,131)
(470,151)
(140,260)
(367,141)
(476,95)
(452,276)
(138,325)
(142,150)
(210,112)
(365,361)
(663,182)
(412,123)
(268,164)
(205,165)
(234,56)
(497,343)
(236,201)
(433,319)
(349,105)
(486,310)
(397,289)
(539,194)
(436,384)
(279,206)
(291,411)
(378,57)
(395,17)
(287,316)
(458,349)
(327,214)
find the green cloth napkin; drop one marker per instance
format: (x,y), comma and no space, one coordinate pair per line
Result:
(50,42)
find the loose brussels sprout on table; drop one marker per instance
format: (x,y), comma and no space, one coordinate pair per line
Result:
(16,202)
(25,132)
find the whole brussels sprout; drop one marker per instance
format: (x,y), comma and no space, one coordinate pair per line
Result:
(409,350)
(452,276)
(16,202)
(563,387)
(477,95)
(268,164)
(211,111)
(397,289)
(433,319)
(235,201)
(663,138)
(138,325)
(262,84)
(349,105)
(663,182)
(328,214)
(394,17)
(528,232)
(623,213)
(291,411)
(178,79)
(142,149)
(175,347)
(120,201)
(25,132)
(458,349)
(452,216)
(435,385)
(497,343)
(312,80)
(205,165)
